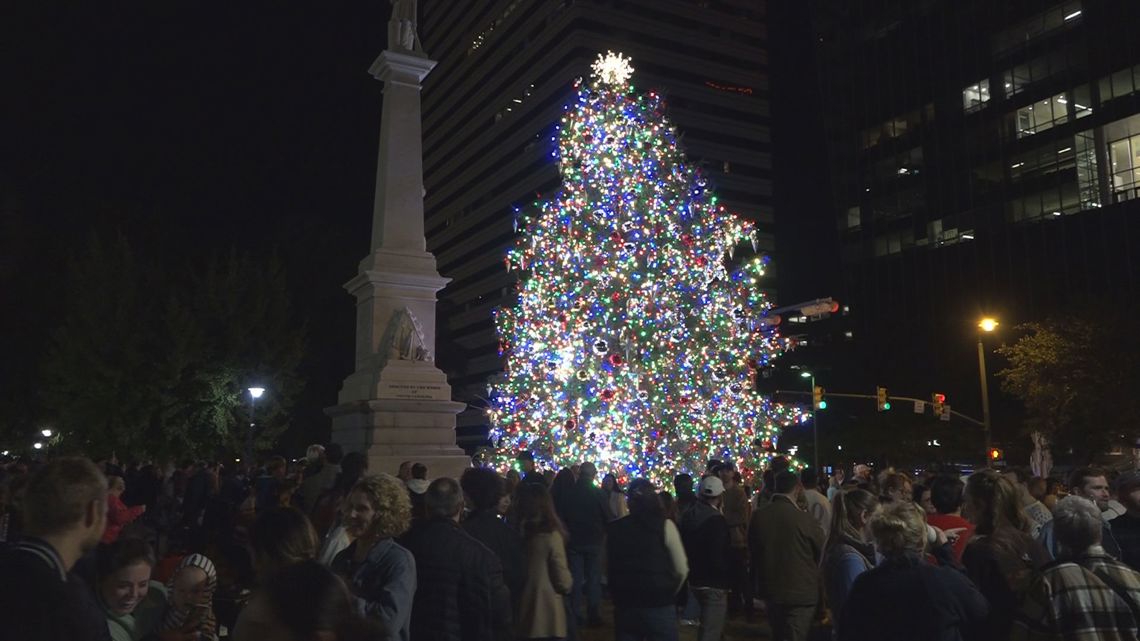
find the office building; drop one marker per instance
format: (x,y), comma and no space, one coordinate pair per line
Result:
(983,158)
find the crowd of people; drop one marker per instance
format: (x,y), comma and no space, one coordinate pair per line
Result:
(325,548)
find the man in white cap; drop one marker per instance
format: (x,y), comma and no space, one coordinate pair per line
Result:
(704,532)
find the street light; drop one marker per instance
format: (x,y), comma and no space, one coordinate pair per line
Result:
(814,421)
(254,394)
(37,445)
(46,433)
(987,325)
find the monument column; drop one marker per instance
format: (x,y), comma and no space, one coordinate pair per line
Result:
(396,406)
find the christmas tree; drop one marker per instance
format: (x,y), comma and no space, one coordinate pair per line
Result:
(637,336)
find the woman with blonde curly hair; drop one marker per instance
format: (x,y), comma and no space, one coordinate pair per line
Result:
(380,573)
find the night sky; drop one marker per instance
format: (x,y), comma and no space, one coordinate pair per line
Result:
(193,128)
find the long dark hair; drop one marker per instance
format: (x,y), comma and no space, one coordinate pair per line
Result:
(307,599)
(534,511)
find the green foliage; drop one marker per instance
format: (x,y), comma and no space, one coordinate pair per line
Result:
(1077,378)
(165,376)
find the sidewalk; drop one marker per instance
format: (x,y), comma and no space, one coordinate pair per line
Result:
(735,629)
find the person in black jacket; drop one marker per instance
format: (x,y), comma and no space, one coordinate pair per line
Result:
(704,532)
(460,593)
(484,488)
(647,566)
(584,513)
(65,511)
(904,597)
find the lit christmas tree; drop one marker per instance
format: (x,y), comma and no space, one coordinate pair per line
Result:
(636,339)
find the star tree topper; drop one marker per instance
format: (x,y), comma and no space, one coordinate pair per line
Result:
(612,69)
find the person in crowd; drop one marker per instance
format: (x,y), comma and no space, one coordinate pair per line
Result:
(946,498)
(1126,527)
(647,566)
(1092,484)
(541,603)
(561,488)
(1054,490)
(849,550)
(63,517)
(1085,594)
(287,494)
(307,602)
(683,486)
(895,487)
(585,519)
(118,514)
(615,498)
(190,593)
(280,537)
(513,480)
(922,498)
(461,593)
(835,483)
(669,506)
(706,536)
(405,471)
(417,486)
(817,504)
(1037,487)
(786,545)
(530,473)
(483,489)
(268,494)
(737,512)
(133,603)
(321,475)
(905,598)
(1001,557)
(327,515)
(380,572)
(1035,510)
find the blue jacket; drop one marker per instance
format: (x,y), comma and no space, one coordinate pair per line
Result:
(384,585)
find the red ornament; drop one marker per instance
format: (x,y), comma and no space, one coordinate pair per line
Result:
(616,297)
(570,424)
(687,240)
(616,359)
(522,445)
(616,237)
(701,261)
(607,394)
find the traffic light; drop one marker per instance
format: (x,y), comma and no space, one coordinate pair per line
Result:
(881,399)
(938,401)
(817,398)
(995,454)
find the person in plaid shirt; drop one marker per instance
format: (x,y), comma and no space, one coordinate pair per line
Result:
(1084,595)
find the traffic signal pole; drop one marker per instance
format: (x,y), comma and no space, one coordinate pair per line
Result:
(985,398)
(964,417)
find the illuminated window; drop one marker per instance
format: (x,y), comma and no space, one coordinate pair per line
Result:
(1042,115)
(976,96)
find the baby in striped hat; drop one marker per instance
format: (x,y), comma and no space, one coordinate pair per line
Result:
(191,589)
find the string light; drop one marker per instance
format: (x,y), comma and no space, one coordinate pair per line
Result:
(638,333)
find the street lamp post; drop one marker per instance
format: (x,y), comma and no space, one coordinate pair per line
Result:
(254,394)
(814,422)
(987,325)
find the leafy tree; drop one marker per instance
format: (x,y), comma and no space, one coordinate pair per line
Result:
(166,376)
(1077,377)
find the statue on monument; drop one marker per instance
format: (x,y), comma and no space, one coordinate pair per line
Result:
(407,342)
(402,34)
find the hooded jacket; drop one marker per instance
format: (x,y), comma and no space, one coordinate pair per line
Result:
(704,532)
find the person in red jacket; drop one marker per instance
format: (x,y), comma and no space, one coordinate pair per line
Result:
(118,514)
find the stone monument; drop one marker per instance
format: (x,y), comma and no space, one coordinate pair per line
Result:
(397,405)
